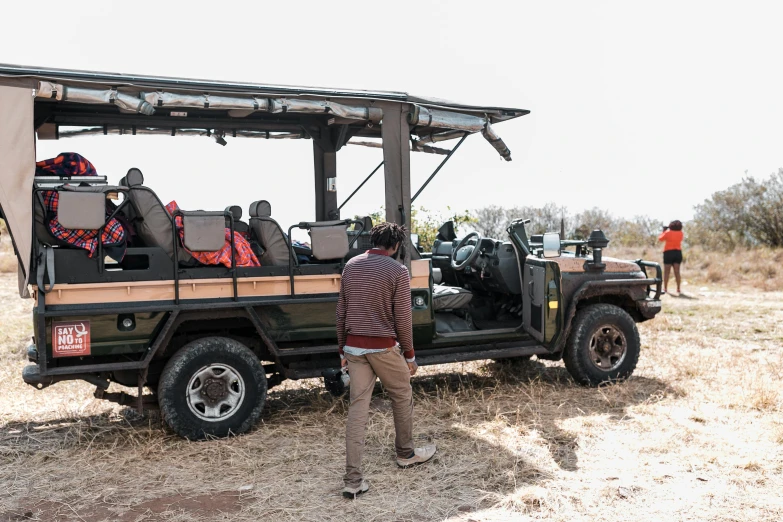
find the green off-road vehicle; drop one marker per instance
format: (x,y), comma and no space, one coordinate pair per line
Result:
(210,341)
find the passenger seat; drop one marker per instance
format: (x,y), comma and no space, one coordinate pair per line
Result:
(239,226)
(269,235)
(150,218)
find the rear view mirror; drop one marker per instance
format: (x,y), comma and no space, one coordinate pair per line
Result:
(551,244)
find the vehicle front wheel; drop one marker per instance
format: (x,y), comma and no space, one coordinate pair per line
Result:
(212,387)
(603,346)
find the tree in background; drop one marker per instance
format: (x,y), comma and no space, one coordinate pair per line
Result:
(746,214)
(492,221)
(595,218)
(426,223)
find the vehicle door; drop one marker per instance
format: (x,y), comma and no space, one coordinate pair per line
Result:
(542,300)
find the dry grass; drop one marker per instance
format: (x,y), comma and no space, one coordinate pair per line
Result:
(696,434)
(760,268)
(7,257)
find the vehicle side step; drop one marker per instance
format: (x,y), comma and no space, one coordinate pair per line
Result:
(31,374)
(498,353)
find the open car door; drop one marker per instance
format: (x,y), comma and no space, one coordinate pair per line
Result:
(542,301)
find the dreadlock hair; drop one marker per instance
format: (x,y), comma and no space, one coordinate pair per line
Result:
(387,235)
(675,225)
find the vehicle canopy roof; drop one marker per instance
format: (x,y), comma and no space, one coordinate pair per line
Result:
(58,103)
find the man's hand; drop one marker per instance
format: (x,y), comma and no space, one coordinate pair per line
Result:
(412,366)
(343,362)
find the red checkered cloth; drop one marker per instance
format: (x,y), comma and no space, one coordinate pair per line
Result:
(244,256)
(65,164)
(113,233)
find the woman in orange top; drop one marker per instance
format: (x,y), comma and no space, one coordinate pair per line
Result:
(672,252)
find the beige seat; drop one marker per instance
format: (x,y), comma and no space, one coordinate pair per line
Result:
(239,225)
(450,297)
(151,220)
(329,240)
(267,232)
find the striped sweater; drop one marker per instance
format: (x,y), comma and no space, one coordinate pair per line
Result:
(374,308)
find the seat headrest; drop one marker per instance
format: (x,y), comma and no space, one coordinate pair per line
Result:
(236,211)
(261,208)
(133,178)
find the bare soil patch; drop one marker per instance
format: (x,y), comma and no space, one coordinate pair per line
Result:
(696,434)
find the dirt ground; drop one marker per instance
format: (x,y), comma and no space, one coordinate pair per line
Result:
(696,434)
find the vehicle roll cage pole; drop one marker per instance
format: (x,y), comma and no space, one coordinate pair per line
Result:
(442,163)
(361,185)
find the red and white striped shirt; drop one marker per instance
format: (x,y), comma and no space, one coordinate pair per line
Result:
(374,308)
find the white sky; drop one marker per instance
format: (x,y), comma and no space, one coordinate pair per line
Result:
(638,108)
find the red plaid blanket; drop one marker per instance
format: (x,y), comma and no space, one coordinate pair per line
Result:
(113,233)
(244,256)
(66,164)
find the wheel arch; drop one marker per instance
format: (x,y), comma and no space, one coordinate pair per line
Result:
(593,292)
(232,323)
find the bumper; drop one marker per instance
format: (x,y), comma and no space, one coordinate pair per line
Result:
(648,307)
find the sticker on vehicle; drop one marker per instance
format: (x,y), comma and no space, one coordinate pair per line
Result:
(71,339)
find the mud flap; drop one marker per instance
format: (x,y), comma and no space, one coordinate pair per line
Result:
(542,301)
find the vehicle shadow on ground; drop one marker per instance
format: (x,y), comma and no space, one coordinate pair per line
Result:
(526,395)
(483,421)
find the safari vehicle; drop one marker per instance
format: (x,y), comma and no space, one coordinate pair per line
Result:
(209,341)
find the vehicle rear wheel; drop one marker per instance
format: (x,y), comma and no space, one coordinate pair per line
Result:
(212,387)
(603,347)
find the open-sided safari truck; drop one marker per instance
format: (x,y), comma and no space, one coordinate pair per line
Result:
(209,335)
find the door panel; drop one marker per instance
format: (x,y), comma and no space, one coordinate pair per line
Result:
(542,300)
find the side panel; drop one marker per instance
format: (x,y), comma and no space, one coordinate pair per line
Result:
(106,338)
(315,322)
(542,300)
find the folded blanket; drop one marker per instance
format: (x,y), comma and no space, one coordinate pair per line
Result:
(243,254)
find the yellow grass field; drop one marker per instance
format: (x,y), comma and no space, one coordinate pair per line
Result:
(695,434)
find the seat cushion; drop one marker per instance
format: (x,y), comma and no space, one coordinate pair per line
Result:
(450,297)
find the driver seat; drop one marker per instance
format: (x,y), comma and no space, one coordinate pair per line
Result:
(450,298)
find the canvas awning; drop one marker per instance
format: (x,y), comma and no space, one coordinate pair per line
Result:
(58,102)
(17,169)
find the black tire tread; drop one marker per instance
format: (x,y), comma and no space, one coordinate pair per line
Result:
(174,369)
(585,321)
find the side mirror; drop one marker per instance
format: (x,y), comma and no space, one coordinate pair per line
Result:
(551,244)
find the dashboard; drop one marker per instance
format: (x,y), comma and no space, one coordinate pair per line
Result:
(494,269)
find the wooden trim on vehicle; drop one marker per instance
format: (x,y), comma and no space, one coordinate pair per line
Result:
(91,293)
(65,294)
(420,273)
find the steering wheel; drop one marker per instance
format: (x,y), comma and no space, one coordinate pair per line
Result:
(463,254)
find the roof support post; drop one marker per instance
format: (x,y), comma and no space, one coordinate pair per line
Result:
(395,133)
(325,168)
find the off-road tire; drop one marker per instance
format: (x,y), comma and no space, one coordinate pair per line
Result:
(187,362)
(587,322)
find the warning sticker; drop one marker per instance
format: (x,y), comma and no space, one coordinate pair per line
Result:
(71,339)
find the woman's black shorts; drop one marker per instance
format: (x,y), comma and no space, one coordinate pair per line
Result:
(672,257)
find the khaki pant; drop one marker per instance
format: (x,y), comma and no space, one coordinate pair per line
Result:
(395,376)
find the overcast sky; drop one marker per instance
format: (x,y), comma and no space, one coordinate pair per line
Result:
(637,108)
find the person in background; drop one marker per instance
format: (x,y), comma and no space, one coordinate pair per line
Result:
(375,339)
(672,253)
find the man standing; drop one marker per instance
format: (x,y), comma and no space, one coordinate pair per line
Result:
(375,337)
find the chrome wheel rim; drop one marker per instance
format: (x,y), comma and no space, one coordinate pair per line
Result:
(608,347)
(215,392)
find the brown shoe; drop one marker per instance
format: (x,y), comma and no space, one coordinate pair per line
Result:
(352,493)
(420,456)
